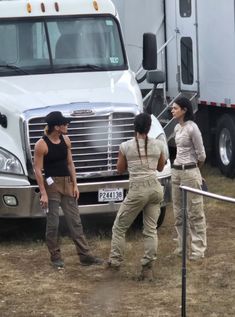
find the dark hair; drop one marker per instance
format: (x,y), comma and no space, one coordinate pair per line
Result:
(185,103)
(142,124)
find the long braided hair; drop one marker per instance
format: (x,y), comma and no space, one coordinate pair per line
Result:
(142,124)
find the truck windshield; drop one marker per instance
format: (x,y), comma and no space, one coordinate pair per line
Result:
(64,44)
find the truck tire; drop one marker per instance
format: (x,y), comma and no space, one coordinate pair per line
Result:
(161,217)
(225,145)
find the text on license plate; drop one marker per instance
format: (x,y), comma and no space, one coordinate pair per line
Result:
(110,194)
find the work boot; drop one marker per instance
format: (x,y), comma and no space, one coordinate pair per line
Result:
(196,256)
(146,273)
(178,252)
(58,264)
(109,266)
(87,260)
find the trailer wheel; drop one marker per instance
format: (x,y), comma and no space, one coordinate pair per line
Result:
(161,217)
(225,145)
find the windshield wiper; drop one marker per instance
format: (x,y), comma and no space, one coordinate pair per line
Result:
(14,67)
(82,67)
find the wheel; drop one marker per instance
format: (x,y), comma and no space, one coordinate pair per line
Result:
(161,217)
(225,145)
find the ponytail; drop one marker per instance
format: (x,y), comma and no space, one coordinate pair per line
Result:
(145,148)
(48,129)
(138,148)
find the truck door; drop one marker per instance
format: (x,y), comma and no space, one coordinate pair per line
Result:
(187,44)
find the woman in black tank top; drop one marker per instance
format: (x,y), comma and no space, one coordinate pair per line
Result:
(55,161)
(59,188)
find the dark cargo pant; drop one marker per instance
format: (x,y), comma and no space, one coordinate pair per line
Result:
(60,194)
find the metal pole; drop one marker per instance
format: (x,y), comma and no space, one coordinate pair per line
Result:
(186,189)
(184,252)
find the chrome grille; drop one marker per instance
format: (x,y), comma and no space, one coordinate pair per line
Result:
(95,141)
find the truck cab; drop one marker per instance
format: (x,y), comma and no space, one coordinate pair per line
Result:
(68,56)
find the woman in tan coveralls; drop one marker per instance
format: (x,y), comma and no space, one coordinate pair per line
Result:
(190,156)
(142,156)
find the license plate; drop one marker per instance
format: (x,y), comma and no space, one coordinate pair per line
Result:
(110,194)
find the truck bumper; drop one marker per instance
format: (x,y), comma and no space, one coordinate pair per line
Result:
(23,201)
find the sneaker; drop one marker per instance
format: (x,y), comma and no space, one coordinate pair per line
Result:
(146,273)
(58,264)
(196,257)
(87,260)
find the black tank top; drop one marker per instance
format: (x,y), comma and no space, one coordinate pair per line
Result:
(55,162)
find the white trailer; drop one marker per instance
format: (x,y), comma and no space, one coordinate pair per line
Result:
(67,55)
(197,54)
(201,60)
(138,17)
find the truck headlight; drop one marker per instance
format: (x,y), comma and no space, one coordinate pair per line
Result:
(9,163)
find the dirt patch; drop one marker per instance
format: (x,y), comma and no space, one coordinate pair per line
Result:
(30,287)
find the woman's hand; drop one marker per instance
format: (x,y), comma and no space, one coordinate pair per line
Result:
(76,192)
(44,200)
(199,164)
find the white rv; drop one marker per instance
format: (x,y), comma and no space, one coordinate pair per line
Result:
(196,45)
(66,55)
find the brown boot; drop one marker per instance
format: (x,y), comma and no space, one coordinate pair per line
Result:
(146,273)
(89,259)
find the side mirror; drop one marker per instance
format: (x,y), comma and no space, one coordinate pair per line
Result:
(155,77)
(149,51)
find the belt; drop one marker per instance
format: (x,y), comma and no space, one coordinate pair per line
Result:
(184,167)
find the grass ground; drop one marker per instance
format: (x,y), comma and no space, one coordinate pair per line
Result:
(30,287)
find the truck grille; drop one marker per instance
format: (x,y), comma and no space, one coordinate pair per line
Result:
(95,141)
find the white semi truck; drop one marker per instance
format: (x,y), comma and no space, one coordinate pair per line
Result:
(196,46)
(67,55)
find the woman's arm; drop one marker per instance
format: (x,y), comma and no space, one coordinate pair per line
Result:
(71,168)
(40,151)
(198,145)
(161,163)
(121,163)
